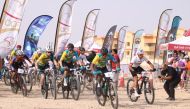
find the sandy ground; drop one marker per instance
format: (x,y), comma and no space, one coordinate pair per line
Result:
(87,100)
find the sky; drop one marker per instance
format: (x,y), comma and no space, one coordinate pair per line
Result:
(136,14)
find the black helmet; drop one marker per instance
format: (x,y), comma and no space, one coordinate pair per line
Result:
(70,46)
(81,48)
(104,50)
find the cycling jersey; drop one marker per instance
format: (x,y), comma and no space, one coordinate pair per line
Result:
(18,63)
(13,53)
(82,58)
(69,57)
(101,61)
(116,57)
(43,59)
(136,61)
(35,56)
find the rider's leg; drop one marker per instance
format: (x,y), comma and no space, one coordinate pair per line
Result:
(42,79)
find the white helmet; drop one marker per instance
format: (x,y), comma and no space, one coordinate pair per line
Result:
(140,51)
(48,48)
(39,50)
(19,53)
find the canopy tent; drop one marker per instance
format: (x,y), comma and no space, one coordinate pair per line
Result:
(95,47)
(179,44)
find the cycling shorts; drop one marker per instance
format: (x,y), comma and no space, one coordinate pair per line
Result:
(137,70)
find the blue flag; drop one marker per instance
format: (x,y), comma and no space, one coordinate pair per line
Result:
(34,32)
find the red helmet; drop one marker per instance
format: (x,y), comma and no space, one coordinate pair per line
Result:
(18,46)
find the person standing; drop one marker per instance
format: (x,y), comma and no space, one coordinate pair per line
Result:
(115,66)
(171,80)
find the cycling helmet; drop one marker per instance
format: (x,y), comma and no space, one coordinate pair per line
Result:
(140,51)
(104,50)
(19,53)
(70,46)
(81,48)
(18,46)
(39,51)
(49,49)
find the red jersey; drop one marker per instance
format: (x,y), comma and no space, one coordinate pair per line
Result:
(116,57)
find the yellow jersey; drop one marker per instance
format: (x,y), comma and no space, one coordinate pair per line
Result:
(35,56)
(43,59)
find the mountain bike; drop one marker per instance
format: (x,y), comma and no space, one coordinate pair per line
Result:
(106,90)
(72,85)
(19,82)
(49,83)
(145,85)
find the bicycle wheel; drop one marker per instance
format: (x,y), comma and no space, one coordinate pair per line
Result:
(14,86)
(53,86)
(101,98)
(6,77)
(44,89)
(82,83)
(29,81)
(131,91)
(75,88)
(113,96)
(149,93)
(23,86)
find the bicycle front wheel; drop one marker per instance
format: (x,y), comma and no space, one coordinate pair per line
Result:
(23,86)
(149,93)
(131,91)
(101,98)
(113,96)
(75,88)
(44,89)
(53,86)
(6,77)
(82,82)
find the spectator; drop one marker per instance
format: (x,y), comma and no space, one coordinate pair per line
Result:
(171,77)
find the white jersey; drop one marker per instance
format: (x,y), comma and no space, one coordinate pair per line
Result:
(83,59)
(136,61)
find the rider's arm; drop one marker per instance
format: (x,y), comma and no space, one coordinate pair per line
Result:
(131,64)
(151,65)
(27,58)
(94,62)
(63,56)
(39,59)
(130,67)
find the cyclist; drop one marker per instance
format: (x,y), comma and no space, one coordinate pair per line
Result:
(113,66)
(18,61)
(135,68)
(44,61)
(100,61)
(82,57)
(68,59)
(36,55)
(13,53)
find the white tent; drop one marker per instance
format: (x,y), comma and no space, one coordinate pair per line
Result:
(179,44)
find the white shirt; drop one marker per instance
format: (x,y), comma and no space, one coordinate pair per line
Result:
(83,59)
(136,61)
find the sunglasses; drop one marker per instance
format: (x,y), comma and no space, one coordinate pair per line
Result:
(48,52)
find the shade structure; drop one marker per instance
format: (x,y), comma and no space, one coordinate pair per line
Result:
(179,44)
